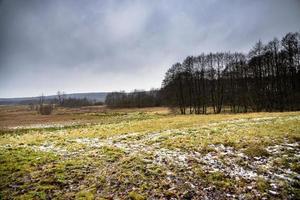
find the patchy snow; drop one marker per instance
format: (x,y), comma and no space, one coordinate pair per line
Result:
(50,148)
(45,125)
(225,159)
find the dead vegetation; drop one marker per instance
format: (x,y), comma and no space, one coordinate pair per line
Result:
(148,154)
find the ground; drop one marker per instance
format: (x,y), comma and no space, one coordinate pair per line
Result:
(99,153)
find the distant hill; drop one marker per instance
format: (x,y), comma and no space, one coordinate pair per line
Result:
(94,96)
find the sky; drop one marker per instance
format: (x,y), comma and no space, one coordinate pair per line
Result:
(103,46)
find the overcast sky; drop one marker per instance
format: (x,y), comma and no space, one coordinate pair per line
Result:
(97,45)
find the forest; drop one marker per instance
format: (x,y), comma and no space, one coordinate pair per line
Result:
(137,98)
(265,79)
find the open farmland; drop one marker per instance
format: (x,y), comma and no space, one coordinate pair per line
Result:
(95,153)
(158,100)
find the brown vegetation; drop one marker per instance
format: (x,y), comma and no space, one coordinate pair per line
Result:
(15,116)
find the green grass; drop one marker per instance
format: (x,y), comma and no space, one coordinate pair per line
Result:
(141,155)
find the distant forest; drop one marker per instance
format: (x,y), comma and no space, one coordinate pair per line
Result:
(266,79)
(137,98)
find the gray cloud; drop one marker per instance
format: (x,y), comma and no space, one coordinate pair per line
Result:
(79,46)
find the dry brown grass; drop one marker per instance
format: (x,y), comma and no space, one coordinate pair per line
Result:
(12,116)
(143,153)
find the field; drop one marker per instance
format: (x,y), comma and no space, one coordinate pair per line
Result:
(100,153)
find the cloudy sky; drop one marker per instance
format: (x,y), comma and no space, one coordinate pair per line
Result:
(98,45)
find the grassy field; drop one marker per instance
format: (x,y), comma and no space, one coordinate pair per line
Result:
(99,153)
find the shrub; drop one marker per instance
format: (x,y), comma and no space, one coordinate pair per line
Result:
(45,109)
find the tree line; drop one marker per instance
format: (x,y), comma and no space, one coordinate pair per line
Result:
(46,106)
(266,79)
(137,98)
(70,102)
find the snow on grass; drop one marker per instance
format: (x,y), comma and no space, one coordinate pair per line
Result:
(224,152)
